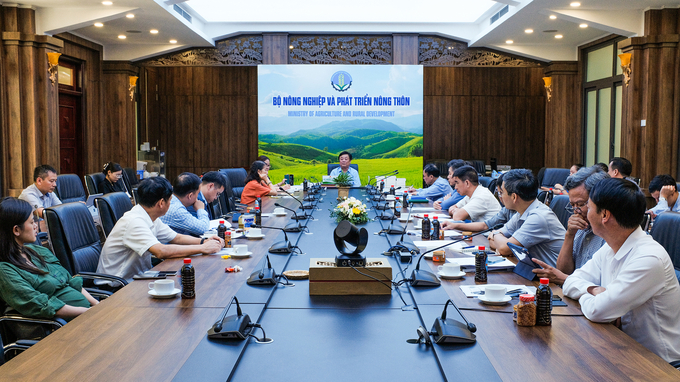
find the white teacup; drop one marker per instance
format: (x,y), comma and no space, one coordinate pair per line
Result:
(240,249)
(256,232)
(279,211)
(494,292)
(163,286)
(449,269)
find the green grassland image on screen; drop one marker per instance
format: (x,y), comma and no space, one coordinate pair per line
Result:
(308,114)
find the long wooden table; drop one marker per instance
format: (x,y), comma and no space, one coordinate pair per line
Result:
(133,337)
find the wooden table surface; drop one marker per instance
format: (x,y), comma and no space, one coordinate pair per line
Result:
(133,337)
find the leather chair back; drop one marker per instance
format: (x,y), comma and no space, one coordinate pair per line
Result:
(332,166)
(131,176)
(237,178)
(73,237)
(552,176)
(666,231)
(92,180)
(70,188)
(111,207)
(557,205)
(485,181)
(479,165)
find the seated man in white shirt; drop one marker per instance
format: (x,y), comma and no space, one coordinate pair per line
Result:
(40,194)
(140,233)
(345,159)
(631,279)
(478,203)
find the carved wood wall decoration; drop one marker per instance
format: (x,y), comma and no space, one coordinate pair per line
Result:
(437,51)
(238,51)
(357,50)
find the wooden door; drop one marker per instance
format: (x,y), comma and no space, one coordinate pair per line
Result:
(70,145)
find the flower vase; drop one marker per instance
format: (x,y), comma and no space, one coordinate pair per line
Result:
(343,192)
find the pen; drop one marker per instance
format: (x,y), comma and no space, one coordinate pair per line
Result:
(469,246)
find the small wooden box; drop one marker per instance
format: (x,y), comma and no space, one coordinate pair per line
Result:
(325,279)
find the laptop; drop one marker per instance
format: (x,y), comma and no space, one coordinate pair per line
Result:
(524,266)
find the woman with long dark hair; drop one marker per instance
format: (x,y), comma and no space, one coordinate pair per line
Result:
(257,183)
(113,181)
(31,279)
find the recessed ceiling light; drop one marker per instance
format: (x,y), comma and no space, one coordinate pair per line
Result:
(173,41)
(509,41)
(575,4)
(583,26)
(290,47)
(528,31)
(153,31)
(98,25)
(552,17)
(130,16)
(107,2)
(122,36)
(558,36)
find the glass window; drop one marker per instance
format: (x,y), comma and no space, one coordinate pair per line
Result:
(600,63)
(591,127)
(617,120)
(603,124)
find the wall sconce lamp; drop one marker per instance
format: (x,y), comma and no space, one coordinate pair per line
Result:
(548,86)
(133,86)
(52,65)
(625,66)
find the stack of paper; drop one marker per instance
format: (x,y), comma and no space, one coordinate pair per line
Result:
(478,290)
(494,263)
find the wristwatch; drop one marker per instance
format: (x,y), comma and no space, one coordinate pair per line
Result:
(202,240)
(662,198)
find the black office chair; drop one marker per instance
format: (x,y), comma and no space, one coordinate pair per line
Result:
(666,231)
(237,179)
(75,241)
(485,181)
(130,175)
(558,205)
(332,166)
(552,176)
(111,207)
(479,165)
(92,180)
(70,188)
(18,333)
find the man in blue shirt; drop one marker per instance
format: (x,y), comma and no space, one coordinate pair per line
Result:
(437,187)
(213,183)
(345,159)
(664,190)
(185,194)
(451,199)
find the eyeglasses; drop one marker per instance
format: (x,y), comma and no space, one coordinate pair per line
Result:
(571,208)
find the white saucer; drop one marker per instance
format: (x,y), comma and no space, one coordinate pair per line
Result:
(403,219)
(281,214)
(174,293)
(254,237)
(234,255)
(504,301)
(452,277)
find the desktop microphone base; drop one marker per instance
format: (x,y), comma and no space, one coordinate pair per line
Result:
(395,229)
(232,328)
(281,247)
(449,331)
(293,227)
(262,277)
(421,278)
(410,247)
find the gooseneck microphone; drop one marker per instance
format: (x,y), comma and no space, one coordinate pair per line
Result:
(265,276)
(291,227)
(401,244)
(471,327)
(425,278)
(303,207)
(281,246)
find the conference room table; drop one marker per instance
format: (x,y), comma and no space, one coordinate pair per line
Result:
(132,337)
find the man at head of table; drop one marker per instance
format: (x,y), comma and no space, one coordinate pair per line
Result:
(580,243)
(140,233)
(631,279)
(345,159)
(437,187)
(534,227)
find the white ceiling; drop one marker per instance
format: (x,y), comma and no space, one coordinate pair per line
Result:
(453,18)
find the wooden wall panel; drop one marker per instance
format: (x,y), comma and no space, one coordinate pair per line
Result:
(479,113)
(563,130)
(212,109)
(275,48)
(119,117)
(405,49)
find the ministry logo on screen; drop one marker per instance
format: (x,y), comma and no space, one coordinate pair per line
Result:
(341,81)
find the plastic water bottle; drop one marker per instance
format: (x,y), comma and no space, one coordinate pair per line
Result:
(480,265)
(221,229)
(188,279)
(435,228)
(426,228)
(397,208)
(392,190)
(544,303)
(258,216)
